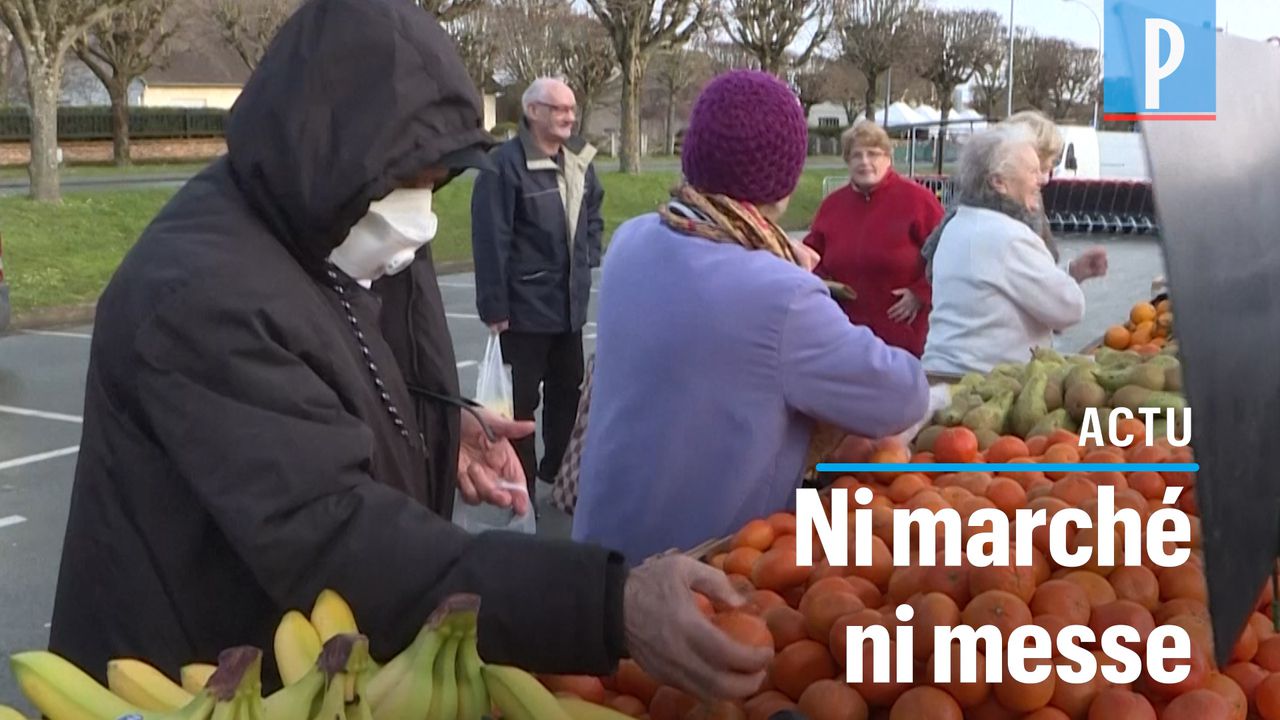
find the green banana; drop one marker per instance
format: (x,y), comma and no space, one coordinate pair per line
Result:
(297,700)
(520,696)
(579,709)
(237,685)
(405,687)
(473,698)
(62,691)
(333,704)
(297,645)
(444,696)
(345,666)
(8,713)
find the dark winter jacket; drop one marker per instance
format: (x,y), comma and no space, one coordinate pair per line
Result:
(530,269)
(237,457)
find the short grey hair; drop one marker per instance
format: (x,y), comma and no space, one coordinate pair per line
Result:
(537,91)
(987,154)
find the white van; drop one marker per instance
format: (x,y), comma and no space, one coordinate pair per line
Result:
(1093,155)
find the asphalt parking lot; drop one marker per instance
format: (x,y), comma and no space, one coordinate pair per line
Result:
(41,397)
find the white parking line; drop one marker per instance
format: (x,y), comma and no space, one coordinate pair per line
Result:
(461,316)
(19,462)
(589,336)
(467,286)
(40,414)
(52,333)
(467,364)
(11,520)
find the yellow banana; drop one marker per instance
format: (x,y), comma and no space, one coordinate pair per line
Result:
(579,709)
(293,702)
(332,705)
(473,698)
(444,694)
(332,616)
(144,686)
(520,696)
(345,666)
(297,645)
(62,691)
(195,676)
(8,713)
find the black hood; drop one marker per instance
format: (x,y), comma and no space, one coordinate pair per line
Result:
(352,98)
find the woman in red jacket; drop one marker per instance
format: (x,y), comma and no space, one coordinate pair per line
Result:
(870,233)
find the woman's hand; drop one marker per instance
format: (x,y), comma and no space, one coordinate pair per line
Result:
(808,257)
(1092,263)
(484,466)
(907,307)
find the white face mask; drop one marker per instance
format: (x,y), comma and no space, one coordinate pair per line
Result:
(385,240)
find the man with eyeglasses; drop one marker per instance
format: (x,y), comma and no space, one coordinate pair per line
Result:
(536,230)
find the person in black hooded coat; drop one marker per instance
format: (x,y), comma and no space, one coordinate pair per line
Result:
(247,436)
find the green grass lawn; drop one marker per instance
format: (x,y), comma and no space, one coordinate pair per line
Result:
(85,171)
(64,255)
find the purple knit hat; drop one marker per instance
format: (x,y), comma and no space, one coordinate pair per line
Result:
(747,138)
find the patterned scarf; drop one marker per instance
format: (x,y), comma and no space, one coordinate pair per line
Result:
(722,219)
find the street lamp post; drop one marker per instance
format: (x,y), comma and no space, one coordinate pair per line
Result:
(1098,20)
(1009,109)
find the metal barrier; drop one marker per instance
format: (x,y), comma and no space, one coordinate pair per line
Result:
(1081,206)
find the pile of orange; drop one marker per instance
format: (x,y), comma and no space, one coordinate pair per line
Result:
(804,611)
(1149,328)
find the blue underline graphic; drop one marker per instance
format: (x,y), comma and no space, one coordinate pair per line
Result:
(1007,467)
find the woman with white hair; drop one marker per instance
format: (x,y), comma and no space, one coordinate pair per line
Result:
(997,291)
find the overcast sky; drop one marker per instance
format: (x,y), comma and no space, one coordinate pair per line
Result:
(1257,19)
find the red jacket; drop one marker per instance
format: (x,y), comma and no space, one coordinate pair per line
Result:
(871,242)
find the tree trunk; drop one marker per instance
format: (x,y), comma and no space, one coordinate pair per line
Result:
(118,89)
(43,170)
(869,100)
(670,129)
(584,119)
(942,130)
(632,83)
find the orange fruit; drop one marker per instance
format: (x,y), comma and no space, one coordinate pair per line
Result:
(838,640)
(1268,654)
(632,680)
(777,570)
(956,445)
(1095,586)
(906,486)
(1123,612)
(877,693)
(1074,700)
(799,665)
(783,523)
(1143,335)
(881,567)
(741,560)
(1184,581)
(1246,645)
(1007,495)
(1014,579)
(1006,448)
(1024,697)
(786,625)
(1117,337)
(1248,676)
(1198,705)
(767,704)
(744,628)
(832,700)
(756,534)
(1004,610)
(762,600)
(1137,584)
(1231,692)
(1150,484)
(1142,312)
(932,610)
(585,687)
(967,695)
(1267,697)
(821,611)
(1064,599)
(628,705)
(1114,703)
(926,703)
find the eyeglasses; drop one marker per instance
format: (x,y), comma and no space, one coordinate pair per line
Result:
(558,109)
(867,155)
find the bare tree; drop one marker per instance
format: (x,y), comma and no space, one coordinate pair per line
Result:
(588,62)
(45,32)
(475,36)
(6,64)
(638,28)
(991,83)
(248,26)
(766,28)
(538,25)
(121,48)
(677,72)
(954,43)
(446,10)
(1037,65)
(725,56)
(1077,79)
(812,83)
(875,35)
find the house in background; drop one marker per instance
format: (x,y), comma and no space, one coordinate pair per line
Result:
(828,114)
(204,75)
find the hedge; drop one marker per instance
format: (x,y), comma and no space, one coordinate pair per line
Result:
(94,123)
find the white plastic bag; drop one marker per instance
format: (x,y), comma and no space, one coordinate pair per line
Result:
(493,387)
(493,391)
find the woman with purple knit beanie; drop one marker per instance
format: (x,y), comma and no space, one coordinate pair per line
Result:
(719,351)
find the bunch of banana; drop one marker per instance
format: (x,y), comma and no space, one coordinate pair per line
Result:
(8,713)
